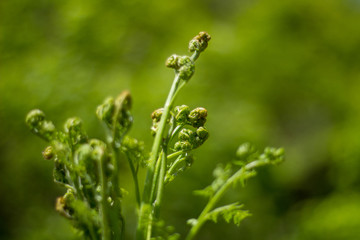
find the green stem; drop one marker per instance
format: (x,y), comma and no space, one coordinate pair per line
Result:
(104,204)
(173,167)
(175,154)
(143,231)
(156,177)
(116,218)
(195,56)
(176,130)
(117,191)
(158,139)
(134,175)
(92,232)
(77,179)
(149,214)
(69,179)
(160,186)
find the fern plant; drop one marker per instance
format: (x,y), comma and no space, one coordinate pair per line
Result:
(89,168)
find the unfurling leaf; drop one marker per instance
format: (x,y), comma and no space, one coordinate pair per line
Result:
(230,213)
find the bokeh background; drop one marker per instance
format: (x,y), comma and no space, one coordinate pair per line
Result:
(279,73)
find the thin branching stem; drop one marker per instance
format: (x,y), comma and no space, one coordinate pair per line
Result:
(105,218)
(175,154)
(135,178)
(143,231)
(174,165)
(160,187)
(243,174)
(155,179)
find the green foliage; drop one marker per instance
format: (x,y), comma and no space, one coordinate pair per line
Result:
(278,73)
(228,177)
(89,168)
(232,212)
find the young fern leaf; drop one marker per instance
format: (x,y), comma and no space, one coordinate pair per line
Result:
(221,175)
(135,149)
(89,168)
(225,178)
(230,213)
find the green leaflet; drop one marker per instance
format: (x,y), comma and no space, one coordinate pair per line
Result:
(225,178)
(231,213)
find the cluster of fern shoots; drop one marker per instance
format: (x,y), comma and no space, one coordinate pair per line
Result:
(89,168)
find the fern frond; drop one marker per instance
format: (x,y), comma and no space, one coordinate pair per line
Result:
(230,213)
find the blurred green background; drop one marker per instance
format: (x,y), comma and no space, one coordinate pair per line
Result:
(279,73)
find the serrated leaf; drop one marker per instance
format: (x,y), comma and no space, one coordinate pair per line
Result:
(243,177)
(230,213)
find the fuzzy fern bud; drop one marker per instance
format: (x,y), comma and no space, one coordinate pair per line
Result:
(183,145)
(59,172)
(132,143)
(74,128)
(186,67)
(189,160)
(60,207)
(98,148)
(98,152)
(197,117)
(275,155)
(187,135)
(172,61)
(199,42)
(124,101)
(69,197)
(188,139)
(87,158)
(202,135)
(156,116)
(123,105)
(105,111)
(48,153)
(244,151)
(181,114)
(84,155)
(39,125)
(116,111)
(64,205)
(35,118)
(136,149)
(182,64)
(94,143)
